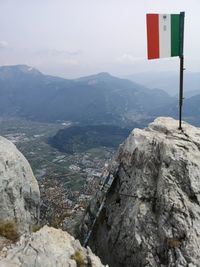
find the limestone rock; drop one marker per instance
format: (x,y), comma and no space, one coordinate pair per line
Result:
(19,191)
(151,215)
(49,247)
(72,223)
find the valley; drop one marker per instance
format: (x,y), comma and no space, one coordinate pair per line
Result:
(69,129)
(65,180)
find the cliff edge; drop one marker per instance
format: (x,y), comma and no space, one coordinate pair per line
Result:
(19,212)
(49,247)
(151,215)
(19,190)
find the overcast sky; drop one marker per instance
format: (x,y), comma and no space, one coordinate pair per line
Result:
(72,38)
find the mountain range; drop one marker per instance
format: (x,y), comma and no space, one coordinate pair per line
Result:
(169,81)
(96,99)
(91,100)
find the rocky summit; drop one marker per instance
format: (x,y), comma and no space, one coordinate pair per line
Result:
(151,212)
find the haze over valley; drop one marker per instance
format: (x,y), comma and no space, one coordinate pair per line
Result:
(69,128)
(169,81)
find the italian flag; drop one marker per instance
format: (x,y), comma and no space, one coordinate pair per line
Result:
(164,35)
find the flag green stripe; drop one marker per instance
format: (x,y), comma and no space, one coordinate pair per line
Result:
(175,35)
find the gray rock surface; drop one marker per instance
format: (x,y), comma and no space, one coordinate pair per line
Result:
(72,223)
(151,215)
(19,191)
(49,247)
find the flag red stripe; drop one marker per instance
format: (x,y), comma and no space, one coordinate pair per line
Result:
(153,35)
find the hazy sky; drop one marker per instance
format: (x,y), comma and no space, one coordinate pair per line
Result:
(72,38)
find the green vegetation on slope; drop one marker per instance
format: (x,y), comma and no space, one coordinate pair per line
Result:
(81,138)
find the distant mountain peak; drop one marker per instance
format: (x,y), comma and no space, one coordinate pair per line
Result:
(104,75)
(25,69)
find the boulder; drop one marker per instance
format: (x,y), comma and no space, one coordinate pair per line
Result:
(151,215)
(19,191)
(49,247)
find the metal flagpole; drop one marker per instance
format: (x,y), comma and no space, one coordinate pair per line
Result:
(182,16)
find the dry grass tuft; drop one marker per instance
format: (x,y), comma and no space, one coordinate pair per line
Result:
(79,258)
(8,229)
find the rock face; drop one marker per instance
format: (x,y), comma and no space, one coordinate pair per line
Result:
(19,191)
(49,247)
(151,215)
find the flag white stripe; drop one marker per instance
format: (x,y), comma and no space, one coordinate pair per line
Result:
(165,35)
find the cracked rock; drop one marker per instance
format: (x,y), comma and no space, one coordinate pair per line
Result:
(151,215)
(49,247)
(19,191)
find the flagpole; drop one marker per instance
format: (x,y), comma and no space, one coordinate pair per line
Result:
(181,91)
(182,16)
